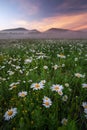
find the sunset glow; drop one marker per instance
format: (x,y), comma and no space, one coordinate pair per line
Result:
(43,14)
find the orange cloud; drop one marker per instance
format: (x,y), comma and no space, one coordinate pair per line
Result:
(73,22)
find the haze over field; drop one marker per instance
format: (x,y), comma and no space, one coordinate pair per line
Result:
(52,33)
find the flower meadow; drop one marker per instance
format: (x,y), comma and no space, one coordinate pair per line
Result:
(43,85)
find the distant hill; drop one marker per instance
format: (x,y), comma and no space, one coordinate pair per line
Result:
(16,29)
(83,30)
(55,30)
(52,33)
(34,31)
(21,30)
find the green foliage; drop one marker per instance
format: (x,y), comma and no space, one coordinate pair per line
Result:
(16,76)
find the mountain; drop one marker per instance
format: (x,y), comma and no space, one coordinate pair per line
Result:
(83,30)
(52,33)
(20,30)
(55,30)
(34,31)
(16,29)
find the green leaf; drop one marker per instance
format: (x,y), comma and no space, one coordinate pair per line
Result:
(62,128)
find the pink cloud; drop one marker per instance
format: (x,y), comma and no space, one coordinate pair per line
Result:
(73,22)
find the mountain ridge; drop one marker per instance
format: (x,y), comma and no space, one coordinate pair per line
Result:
(16,29)
(46,31)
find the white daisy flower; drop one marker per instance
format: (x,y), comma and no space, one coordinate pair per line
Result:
(27,61)
(79,75)
(37,86)
(10,73)
(18,67)
(12,87)
(64,121)
(63,65)
(84,104)
(65,98)
(43,81)
(85,111)
(76,59)
(15,83)
(67,84)
(84,85)
(61,56)
(57,88)
(45,67)
(47,102)
(22,94)
(10,113)
(60,93)
(55,67)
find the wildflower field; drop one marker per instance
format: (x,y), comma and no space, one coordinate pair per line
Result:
(43,85)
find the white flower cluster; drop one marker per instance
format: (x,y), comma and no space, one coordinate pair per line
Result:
(47,102)
(84,104)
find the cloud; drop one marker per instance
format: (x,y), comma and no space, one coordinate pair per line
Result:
(45,14)
(27,6)
(21,23)
(73,22)
(72,7)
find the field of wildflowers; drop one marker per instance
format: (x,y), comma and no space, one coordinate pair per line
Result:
(43,85)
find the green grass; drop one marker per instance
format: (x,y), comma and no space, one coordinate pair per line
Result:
(31,114)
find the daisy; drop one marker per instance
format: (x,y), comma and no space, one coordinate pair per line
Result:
(60,93)
(64,121)
(84,104)
(76,59)
(43,81)
(66,84)
(63,65)
(79,75)
(37,86)
(14,86)
(57,88)
(10,113)
(45,67)
(47,102)
(27,61)
(61,56)
(85,111)
(84,85)
(65,98)
(22,94)
(10,73)
(55,67)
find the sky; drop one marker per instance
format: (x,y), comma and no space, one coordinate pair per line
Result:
(43,14)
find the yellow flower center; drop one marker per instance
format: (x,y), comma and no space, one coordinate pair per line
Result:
(56,87)
(37,85)
(47,103)
(14,86)
(10,112)
(65,122)
(22,95)
(61,55)
(85,106)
